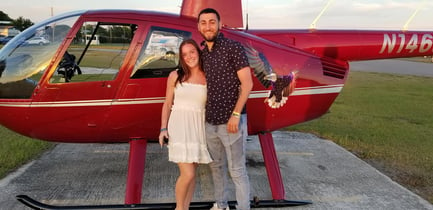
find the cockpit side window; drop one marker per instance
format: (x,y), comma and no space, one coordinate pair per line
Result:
(25,58)
(160,53)
(96,53)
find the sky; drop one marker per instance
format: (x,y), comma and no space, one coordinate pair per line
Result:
(263,14)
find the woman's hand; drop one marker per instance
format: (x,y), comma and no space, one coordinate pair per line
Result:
(162,135)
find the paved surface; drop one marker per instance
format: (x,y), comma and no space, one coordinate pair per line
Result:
(312,168)
(394,66)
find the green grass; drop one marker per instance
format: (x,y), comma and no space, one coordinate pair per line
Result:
(100,59)
(386,120)
(16,150)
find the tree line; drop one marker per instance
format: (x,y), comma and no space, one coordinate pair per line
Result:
(20,23)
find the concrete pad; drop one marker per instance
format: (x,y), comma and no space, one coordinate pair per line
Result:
(312,168)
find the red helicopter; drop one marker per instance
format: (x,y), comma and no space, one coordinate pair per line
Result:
(100,78)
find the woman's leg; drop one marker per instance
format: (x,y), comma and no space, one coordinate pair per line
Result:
(191,188)
(186,177)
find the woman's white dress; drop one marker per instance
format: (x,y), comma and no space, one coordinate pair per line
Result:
(186,125)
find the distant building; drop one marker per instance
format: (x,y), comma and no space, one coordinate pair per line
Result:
(7,29)
(95,40)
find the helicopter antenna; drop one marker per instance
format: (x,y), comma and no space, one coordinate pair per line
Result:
(313,24)
(406,25)
(247,20)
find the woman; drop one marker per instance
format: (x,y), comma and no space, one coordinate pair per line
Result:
(182,120)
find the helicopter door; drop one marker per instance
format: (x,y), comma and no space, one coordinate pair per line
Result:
(144,90)
(84,83)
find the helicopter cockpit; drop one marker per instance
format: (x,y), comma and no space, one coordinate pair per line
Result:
(24,59)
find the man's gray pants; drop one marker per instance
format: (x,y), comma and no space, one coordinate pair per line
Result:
(228,153)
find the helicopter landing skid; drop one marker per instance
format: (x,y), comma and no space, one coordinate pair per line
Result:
(256,203)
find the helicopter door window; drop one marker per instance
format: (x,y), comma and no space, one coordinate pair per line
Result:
(96,53)
(160,54)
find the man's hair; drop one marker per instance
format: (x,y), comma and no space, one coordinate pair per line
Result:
(207,11)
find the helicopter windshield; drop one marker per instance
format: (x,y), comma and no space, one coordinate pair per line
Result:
(25,57)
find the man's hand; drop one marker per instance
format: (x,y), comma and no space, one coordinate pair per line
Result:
(233,124)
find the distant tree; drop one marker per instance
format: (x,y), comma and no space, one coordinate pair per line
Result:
(58,33)
(4,17)
(21,23)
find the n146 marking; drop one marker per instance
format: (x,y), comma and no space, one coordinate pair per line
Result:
(390,40)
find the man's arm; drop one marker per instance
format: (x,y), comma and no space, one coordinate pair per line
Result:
(246,80)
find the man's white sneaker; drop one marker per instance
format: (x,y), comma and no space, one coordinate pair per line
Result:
(215,207)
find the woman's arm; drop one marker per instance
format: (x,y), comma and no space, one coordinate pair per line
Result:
(166,107)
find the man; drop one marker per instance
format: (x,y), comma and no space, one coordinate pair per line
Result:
(229,84)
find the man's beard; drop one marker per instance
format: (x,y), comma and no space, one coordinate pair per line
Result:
(212,38)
